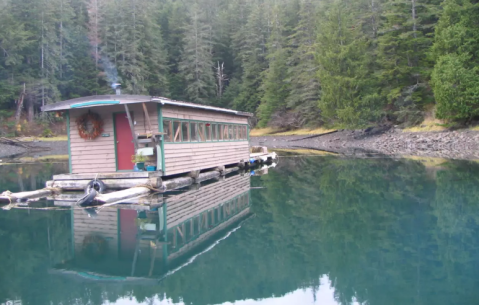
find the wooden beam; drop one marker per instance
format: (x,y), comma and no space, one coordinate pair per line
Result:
(147,116)
(116,175)
(152,259)
(79,185)
(181,232)
(132,127)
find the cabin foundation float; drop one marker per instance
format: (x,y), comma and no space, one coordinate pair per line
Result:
(136,145)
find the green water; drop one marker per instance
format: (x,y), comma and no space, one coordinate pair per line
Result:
(314,230)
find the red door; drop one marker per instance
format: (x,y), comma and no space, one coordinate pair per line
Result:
(128,231)
(124,142)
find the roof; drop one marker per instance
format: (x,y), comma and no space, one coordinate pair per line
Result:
(108,100)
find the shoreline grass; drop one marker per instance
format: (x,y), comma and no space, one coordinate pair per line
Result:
(304,151)
(42,139)
(260,132)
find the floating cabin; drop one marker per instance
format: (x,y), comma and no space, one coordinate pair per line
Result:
(175,137)
(182,144)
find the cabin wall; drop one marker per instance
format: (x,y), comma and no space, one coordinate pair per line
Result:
(180,158)
(98,155)
(105,224)
(185,157)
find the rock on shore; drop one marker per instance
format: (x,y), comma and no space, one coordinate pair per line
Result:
(389,141)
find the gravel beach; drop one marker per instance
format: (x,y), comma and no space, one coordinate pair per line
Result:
(386,141)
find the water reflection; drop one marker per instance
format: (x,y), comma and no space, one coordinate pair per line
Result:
(28,177)
(321,230)
(129,242)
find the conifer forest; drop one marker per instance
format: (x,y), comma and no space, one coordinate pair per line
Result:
(293,63)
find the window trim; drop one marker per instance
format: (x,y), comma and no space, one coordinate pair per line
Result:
(215,124)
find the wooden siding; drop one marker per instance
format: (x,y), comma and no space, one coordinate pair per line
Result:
(202,115)
(192,203)
(201,239)
(105,224)
(98,155)
(184,157)
(194,216)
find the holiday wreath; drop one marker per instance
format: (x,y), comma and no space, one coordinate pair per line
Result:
(96,126)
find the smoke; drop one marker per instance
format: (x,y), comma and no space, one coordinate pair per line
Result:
(110,71)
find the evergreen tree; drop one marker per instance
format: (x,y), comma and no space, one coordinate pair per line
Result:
(172,19)
(403,44)
(275,88)
(79,76)
(253,57)
(348,90)
(303,69)
(15,41)
(455,78)
(196,65)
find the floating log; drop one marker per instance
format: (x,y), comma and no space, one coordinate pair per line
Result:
(78,185)
(177,183)
(167,185)
(133,188)
(123,195)
(8,197)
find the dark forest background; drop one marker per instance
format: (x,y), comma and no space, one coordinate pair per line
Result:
(293,63)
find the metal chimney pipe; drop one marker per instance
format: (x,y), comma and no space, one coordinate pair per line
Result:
(117,87)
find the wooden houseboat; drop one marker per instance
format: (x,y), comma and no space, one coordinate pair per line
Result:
(104,132)
(183,144)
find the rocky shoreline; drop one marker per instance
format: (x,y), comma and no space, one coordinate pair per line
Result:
(461,144)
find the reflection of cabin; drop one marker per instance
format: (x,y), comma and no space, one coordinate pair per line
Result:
(136,238)
(182,136)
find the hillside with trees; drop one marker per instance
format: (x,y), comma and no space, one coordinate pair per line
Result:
(293,63)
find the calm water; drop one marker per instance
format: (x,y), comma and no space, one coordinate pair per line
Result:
(315,230)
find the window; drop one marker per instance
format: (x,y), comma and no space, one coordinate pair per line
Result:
(220,131)
(226,132)
(185,128)
(202,132)
(208,131)
(177,131)
(168,130)
(214,132)
(194,132)
(230,132)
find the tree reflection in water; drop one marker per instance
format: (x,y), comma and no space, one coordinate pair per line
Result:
(384,231)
